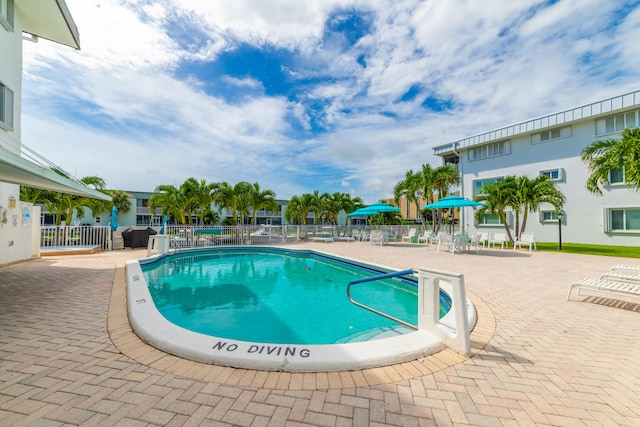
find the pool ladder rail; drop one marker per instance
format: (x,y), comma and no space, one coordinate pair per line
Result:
(373,310)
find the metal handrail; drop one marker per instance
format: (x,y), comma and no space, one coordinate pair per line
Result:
(373,310)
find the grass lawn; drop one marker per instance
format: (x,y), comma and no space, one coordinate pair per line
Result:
(575,248)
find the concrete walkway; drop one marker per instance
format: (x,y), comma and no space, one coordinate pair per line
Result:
(67,356)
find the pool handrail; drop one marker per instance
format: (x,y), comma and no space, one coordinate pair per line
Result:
(373,310)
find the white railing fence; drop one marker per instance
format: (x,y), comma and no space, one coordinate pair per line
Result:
(184,236)
(81,235)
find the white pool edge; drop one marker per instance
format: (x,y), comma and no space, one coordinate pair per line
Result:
(154,329)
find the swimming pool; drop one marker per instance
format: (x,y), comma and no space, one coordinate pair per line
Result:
(278,297)
(224,306)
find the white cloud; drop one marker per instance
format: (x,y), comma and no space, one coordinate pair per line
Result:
(138,123)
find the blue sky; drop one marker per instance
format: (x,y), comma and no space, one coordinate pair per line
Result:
(332,95)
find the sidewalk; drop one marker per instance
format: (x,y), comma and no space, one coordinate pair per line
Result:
(539,360)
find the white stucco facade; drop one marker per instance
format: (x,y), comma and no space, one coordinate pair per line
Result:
(14,237)
(552,145)
(19,220)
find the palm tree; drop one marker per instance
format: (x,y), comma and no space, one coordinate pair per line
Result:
(299,207)
(522,195)
(241,200)
(201,196)
(261,199)
(443,178)
(497,198)
(64,205)
(428,181)
(333,204)
(121,200)
(409,188)
(604,156)
(223,198)
(530,193)
(171,200)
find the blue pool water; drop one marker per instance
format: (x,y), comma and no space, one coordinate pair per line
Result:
(277,296)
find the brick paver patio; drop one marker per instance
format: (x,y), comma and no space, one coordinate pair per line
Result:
(68,357)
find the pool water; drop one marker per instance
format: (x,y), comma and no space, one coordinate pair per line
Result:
(270,296)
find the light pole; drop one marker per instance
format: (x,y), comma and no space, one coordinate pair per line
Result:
(560,231)
(418,203)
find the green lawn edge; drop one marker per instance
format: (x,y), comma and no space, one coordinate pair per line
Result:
(602,250)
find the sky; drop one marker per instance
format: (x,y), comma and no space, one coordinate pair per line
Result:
(332,95)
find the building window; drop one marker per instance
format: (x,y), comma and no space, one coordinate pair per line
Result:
(495,149)
(617,122)
(6,14)
(548,216)
(554,174)
(616,176)
(548,135)
(624,219)
(478,186)
(487,219)
(6,107)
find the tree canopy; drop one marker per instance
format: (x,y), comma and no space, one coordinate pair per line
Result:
(604,156)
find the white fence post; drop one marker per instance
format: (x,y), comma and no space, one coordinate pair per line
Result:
(454,334)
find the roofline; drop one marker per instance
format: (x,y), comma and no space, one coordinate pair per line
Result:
(71,25)
(15,169)
(547,121)
(50,20)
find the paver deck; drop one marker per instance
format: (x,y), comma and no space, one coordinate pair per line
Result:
(68,357)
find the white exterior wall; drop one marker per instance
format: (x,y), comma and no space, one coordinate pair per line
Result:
(15,236)
(584,213)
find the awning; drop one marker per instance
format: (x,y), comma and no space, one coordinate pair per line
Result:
(17,170)
(49,19)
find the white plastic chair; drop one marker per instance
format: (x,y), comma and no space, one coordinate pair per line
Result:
(412,233)
(445,241)
(477,242)
(376,237)
(424,237)
(525,239)
(499,238)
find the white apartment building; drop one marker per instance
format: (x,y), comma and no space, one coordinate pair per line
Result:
(26,20)
(552,145)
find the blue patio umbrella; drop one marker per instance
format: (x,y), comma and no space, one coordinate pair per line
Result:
(453,201)
(374,209)
(165,219)
(113,223)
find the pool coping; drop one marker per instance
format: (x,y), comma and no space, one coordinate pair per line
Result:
(152,327)
(126,340)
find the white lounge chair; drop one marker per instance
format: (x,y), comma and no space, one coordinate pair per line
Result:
(525,239)
(626,267)
(622,276)
(344,238)
(410,235)
(627,289)
(498,239)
